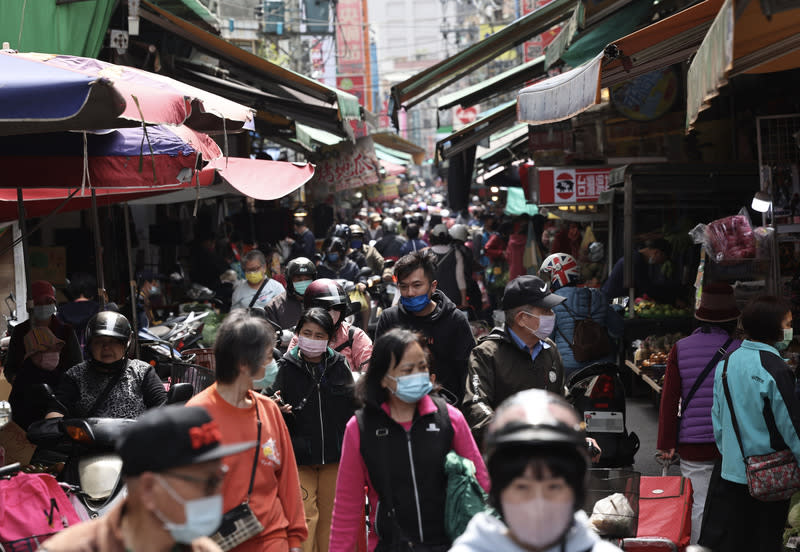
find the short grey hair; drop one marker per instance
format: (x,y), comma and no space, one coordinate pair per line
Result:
(242,340)
(255,255)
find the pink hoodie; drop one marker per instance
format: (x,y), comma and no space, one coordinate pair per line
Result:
(348,507)
(514,254)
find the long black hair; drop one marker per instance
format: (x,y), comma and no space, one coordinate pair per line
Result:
(388,349)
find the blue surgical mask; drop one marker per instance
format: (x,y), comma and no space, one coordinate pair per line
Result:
(788,335)
(415,304)
(356,244)
(203,516)
(270,372)
(413,387)
(301,287)
(333,257)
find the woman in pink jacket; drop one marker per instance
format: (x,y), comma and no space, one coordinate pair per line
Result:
(396,447)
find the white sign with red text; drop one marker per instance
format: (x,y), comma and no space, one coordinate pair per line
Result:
(571,185)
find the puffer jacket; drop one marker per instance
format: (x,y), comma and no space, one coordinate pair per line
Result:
(579,301)
(322,400)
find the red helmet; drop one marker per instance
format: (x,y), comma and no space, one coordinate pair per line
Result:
(325,293)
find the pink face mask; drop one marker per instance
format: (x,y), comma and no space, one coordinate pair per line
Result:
(49,360)
(312,347)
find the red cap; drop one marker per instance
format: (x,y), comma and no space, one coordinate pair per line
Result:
(43,292)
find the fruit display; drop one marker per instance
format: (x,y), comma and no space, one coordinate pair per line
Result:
(647,308)
(651,354)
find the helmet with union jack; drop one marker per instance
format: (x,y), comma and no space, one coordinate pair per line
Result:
(561,269)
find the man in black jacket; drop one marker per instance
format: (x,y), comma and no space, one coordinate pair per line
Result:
(424,309)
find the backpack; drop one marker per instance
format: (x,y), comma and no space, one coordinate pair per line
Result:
(589,339)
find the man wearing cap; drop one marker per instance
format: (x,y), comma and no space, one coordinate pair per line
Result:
(517,357)
(42,314)
(174,498)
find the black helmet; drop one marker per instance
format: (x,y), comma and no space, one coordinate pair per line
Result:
(341,231)
(389,226)
(327,294)
(537,419)
(300,266)
(336,244)
(111,324)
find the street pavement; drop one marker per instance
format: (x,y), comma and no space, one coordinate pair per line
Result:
(642,418)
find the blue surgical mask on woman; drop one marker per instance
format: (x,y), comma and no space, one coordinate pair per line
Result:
(270,373)
(413,387)
(415,304)
(203,516)
(356,244)
(788,335)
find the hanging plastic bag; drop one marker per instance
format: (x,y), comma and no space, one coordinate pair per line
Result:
(727,239)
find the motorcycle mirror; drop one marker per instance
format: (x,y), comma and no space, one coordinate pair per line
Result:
(365,271)
(179,393)
(5,413)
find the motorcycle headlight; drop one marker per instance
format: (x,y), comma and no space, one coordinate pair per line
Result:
(99,474)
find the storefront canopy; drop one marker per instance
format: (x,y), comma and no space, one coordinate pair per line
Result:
(392,140)
(656,46)
(490,122)
(273,80)
(742,39)
(435,78)
(504,148)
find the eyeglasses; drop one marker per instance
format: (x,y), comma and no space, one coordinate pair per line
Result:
(210,483)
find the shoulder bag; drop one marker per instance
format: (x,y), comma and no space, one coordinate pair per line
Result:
(240,524)
(770,477)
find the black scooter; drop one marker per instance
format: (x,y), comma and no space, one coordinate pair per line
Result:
(598,394)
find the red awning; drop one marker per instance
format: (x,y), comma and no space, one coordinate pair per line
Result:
(262,179)
(392,168)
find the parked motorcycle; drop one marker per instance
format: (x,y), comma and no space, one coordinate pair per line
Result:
(11,323)
(598,394)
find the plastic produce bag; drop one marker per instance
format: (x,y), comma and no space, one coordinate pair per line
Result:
(613,516)
(727,239)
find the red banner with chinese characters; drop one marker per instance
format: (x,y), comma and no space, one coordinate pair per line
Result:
(351,55)
(571,185)
(534,47)
(348,165)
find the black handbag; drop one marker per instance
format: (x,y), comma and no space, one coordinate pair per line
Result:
(240,523)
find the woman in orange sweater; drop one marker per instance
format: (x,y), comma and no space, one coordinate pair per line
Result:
(268,482)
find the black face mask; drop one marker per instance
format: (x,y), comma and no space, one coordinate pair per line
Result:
(108,367)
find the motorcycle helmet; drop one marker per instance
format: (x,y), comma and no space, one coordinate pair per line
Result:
(199,292)
(111,324)
(341,231)
(356,230)
(300,266)
(327,294)
(389,226)
(561,269)
(596,252)
(537,421)
(459,232)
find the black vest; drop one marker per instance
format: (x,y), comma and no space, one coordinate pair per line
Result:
(446,275)
(407,471)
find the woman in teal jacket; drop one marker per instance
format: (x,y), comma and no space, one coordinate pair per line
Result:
(768,416)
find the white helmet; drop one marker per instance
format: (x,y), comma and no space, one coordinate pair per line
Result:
(459,232)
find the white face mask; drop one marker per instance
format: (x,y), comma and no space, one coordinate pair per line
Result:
(546,324)
(203,516)
(538,522)
(43,312)
(49,360)
(312,347)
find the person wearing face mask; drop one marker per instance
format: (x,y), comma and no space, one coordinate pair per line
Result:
(109,384)
(755,412)
(257,289)
(425,309)
(517,357)
(268,484)
(285,309)
(149,289)
(537,462)
(42,351)
(336,264)
(42,314)
(174,498)
(647,277)
(314,379)
(352,342)
(362,253)
(396,446)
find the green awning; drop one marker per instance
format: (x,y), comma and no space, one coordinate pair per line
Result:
(440,75)
(499,84)
(506,140)
(391,156)
(488,123)
(312,137)
(76,28)
(516,204)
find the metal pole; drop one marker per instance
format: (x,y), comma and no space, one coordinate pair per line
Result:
(98,254)
(131,280)
(23,229)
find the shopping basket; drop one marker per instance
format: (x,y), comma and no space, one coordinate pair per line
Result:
(202,357)
(604,482)
(199,376)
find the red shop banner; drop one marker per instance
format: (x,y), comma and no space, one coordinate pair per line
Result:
(571,185)
(348,165)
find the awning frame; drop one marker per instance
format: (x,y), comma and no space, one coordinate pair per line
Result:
(476,131)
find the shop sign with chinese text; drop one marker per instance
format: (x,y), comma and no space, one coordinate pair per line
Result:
(571,185)
(348,165)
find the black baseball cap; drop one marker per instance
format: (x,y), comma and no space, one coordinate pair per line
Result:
(173,436)
(529,290)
